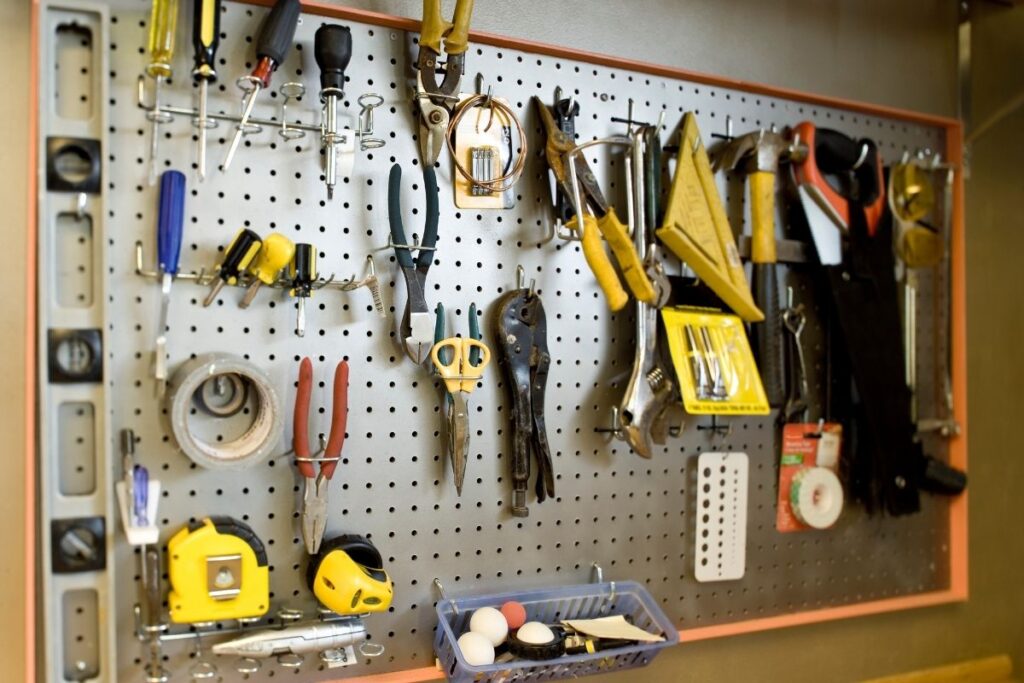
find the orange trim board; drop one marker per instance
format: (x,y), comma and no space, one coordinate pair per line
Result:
(958,588)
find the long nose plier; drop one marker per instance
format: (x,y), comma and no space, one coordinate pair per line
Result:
(314,496)
(417,322)
(435,102)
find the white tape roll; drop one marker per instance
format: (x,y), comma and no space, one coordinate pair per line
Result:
(255,444)
(816,496)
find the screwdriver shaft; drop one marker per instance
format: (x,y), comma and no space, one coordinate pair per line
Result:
(214,291)
(204,85)
(330,170)
(250,293)
(300,322)
(249,103)
(155,140)
(161,334)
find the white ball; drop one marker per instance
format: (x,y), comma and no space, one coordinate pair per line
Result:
(491,624)
(476,649)
(535,633)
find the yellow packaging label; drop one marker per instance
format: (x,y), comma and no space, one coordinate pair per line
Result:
(713,362)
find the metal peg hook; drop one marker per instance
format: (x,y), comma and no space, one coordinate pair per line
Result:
(521,281)
(202,670)
(291,90)
(367,103)
(444,595)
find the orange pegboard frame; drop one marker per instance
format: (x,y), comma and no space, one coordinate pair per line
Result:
(958,582)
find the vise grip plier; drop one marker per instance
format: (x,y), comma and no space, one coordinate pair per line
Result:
(521,336)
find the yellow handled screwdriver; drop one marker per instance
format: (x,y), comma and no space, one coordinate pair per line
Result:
(237,257)
(205,39)
(276,254)
(162,22)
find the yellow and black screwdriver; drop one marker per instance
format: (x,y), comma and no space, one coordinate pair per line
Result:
(274,256)
(237,258)
(205,39)
(303,276)
(162,22)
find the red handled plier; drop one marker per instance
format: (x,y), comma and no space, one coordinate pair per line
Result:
(314,496)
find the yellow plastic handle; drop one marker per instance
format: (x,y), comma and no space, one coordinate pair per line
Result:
(457,41)
(163,21)
(458,374)
(762,217)
(599,262)
(434,26)
(629,261)
(274,256)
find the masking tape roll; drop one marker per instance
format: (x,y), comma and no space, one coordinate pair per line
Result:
(253,446)
(816,496)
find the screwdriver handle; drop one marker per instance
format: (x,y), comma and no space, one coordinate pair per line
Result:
(303,269)
(163,20)
(205,38)
(332,48)
(274,256)
(239,255)
(171,220)
(278,31)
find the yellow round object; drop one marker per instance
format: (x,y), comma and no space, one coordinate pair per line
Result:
(912,197)
(920,247)
(347,586)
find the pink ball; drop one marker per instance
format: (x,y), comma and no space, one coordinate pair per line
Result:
(514,613)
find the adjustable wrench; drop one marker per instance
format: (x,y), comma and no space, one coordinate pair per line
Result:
(646,413)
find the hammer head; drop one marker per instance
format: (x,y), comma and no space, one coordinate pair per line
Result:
(758,151)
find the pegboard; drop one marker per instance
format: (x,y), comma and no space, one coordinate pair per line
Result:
(635,517)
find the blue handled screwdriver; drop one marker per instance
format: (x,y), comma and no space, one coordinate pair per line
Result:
(169,227)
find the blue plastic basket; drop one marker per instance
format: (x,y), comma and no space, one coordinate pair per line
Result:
(586,601)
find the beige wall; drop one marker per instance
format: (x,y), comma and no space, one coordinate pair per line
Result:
(894,53)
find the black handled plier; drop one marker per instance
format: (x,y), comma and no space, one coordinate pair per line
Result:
(417,327)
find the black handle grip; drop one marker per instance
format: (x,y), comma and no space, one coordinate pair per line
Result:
(278,31)
(205,38)
(332,48)
(232,265)
(838,154)
(768,333)
(938,477)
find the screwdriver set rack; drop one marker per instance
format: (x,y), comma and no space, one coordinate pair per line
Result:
(97,310)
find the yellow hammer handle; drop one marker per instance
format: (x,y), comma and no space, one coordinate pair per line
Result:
(762,217)
(457,41)
(629,261)
(434,26)
(600,265)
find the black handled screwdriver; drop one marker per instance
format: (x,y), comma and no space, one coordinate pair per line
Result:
(237,257)
(332,47)
(303,276)
(205,40)
(272,45)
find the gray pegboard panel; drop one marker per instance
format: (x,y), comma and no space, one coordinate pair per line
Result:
(633,516)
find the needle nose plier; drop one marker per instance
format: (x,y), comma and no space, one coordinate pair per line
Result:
(461,363)
(435,102)
(416,323)
(314,496)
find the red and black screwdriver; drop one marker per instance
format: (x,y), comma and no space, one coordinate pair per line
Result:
(272,44)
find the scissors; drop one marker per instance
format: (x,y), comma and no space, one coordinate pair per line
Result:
(460,362)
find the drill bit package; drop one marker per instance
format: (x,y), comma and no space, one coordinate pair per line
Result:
(715,367)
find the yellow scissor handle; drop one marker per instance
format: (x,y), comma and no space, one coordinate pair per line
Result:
(456,32)
(458,373)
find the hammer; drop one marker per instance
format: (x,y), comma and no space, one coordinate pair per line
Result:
(759,153)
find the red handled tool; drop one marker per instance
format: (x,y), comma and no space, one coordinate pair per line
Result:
(314,497)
